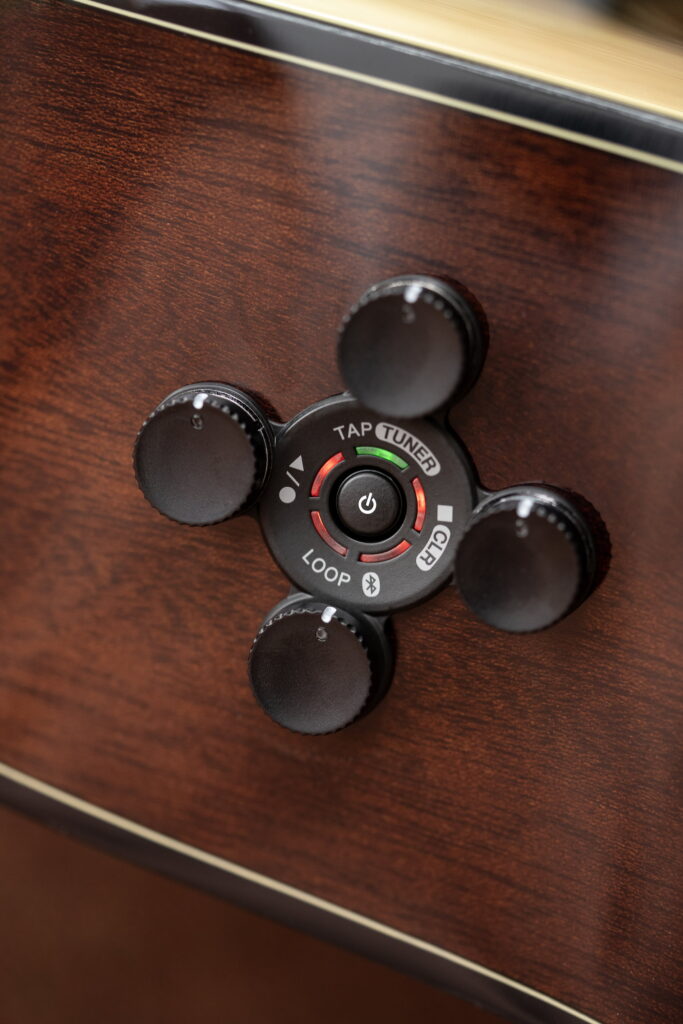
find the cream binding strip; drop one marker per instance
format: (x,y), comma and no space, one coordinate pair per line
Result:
(471,108)
(164,842)
(570,43)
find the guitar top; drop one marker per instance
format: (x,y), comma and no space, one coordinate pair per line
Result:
(399,326)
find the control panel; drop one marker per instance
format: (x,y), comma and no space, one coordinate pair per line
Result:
(363,511)
(369,503)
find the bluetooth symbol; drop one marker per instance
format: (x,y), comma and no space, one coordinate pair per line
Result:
(370,584)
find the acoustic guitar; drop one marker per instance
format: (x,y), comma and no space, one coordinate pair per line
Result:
(398,325)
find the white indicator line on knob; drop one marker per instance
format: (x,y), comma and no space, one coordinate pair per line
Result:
(524,508)
(198,400)
(412,293)
(328,614)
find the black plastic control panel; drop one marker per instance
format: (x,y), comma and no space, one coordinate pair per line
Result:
(320,454)
(370,506)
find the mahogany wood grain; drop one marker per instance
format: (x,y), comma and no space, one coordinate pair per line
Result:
(82,930)
(173,211)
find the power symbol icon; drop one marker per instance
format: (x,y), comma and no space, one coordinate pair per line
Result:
(367,504)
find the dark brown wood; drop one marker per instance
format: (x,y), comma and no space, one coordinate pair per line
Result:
(174,211)
(101,933)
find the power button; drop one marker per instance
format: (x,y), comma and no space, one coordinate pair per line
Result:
(368,504)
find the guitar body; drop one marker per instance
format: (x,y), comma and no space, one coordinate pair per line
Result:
(507,821)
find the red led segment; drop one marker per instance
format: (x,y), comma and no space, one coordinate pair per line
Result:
(324,472)
(421,500)
(384,556)
(323,532)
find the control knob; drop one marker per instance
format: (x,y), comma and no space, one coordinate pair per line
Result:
(316,669)
(410,346)
(204,454)
(527,559)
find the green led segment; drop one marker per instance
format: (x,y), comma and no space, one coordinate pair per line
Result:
(382,453)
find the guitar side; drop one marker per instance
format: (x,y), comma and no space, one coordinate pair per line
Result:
(176,210)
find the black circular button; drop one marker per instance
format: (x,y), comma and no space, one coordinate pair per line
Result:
(526,561)
(368,504)
(203,454)
(410,346)
(316,669)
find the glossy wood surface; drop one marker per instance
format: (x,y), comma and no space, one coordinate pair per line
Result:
(175,211)
(80,930)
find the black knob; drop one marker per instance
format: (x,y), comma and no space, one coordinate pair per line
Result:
(204,454)
(410,346)
(316,669)
(527,559)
